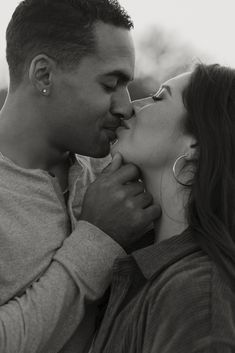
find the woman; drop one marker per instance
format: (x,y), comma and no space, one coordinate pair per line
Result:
(177,295)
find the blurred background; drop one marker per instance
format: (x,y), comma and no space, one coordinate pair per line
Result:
(170,36)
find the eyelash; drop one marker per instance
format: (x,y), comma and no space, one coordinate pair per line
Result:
(109,88)
(157,98)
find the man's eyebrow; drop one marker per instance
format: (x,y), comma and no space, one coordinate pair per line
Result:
(168,88)
(122,76)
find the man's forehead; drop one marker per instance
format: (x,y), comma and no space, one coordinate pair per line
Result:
(93,66)
(122,75)
(115,51)
(117,63)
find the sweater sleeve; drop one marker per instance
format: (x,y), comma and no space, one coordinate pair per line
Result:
(54,306)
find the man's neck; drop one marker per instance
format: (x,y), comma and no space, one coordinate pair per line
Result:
(24,138)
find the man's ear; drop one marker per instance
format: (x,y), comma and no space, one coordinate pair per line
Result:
(40,73)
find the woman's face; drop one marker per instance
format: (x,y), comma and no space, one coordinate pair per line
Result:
(155,137)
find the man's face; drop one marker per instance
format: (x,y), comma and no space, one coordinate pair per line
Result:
(91,100)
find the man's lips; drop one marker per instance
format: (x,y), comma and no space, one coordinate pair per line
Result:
(111,129)
(123,123)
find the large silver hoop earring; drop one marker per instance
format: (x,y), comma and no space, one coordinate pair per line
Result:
(174,166)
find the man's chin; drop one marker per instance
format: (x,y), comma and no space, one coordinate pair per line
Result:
(101,152)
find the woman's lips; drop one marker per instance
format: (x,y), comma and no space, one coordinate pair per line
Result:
(121,128)
(125,124)
(122,123)
(112,130)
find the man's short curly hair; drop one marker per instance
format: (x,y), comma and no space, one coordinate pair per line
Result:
(61,29)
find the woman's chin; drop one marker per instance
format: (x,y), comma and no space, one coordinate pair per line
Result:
(114,148)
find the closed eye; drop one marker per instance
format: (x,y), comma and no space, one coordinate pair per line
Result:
(110,88)
(156,98)
(160,95)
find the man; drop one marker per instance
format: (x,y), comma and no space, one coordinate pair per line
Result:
(70,63)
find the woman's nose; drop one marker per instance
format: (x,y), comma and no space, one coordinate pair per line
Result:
(141,103)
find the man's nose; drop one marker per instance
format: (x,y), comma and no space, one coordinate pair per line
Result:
(122,105)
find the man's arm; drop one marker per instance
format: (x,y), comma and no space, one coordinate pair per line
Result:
(45,317)
(47,314)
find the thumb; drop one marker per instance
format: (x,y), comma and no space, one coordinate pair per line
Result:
(115,163)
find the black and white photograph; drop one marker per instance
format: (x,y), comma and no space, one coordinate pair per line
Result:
(117,176)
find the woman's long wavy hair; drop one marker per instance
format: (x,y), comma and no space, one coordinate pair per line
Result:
(209,99)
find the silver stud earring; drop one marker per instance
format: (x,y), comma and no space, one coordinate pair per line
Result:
(44,91)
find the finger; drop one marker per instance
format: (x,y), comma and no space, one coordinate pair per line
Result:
(152,213)
(127,173)
(134,188)
(114,165)
(143,200)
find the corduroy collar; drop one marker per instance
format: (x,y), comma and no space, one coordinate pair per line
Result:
(155,258)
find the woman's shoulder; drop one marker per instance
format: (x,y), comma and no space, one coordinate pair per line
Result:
(193,294)
(190,304)
(187,279)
